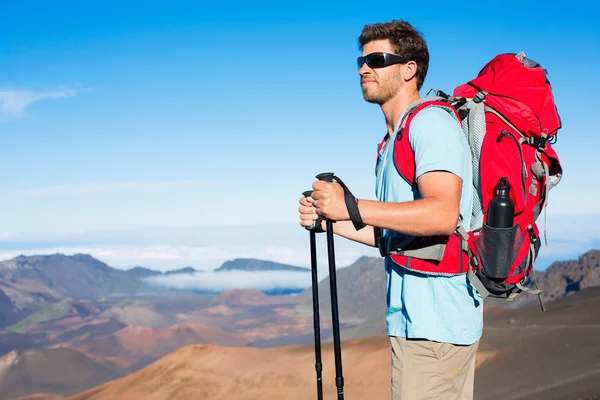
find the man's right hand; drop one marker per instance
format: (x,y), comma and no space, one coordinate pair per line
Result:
(308,213)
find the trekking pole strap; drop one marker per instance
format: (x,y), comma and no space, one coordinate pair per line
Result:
(351,201)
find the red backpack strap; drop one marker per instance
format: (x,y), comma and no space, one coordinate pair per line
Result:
(404,155)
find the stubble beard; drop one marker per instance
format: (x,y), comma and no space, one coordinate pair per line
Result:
(383,91)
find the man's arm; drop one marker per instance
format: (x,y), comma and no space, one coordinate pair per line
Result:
(435,213)
(440,157)
(346,229)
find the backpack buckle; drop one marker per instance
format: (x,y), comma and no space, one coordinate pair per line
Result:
(532,238)
(399,134)
(479,97)
(539,143)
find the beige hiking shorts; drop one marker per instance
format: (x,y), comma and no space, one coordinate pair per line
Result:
(424,370)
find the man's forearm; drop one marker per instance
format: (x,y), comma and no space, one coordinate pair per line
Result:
(347,230)
(423,217)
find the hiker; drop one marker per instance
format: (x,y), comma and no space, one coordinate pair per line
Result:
(434,322)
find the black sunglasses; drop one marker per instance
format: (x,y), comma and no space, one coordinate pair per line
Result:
(380,60)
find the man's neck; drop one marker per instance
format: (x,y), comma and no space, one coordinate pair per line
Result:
(393,109)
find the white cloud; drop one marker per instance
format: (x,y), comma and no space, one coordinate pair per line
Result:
(164,257)
(14,102)
(208,247)
(219,281)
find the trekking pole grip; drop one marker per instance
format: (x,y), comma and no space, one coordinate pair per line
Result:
(326,176)
(351,201)
(316,226)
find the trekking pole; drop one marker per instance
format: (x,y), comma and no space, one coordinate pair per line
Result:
(339,377)
(315,297)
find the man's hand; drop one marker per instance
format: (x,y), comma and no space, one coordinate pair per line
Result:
(308,213)
(329,201)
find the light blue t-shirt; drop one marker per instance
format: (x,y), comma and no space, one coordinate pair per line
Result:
(442,309)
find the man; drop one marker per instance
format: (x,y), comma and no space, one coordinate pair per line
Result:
(434,322)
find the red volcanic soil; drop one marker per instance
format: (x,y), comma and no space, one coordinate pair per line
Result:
(524,354)
(144,340)
(143,344)
(218,373)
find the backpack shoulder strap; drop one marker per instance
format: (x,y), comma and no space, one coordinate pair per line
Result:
(404,156)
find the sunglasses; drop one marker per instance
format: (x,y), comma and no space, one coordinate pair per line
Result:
(380,60)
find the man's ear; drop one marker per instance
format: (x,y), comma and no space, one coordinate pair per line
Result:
(410,70)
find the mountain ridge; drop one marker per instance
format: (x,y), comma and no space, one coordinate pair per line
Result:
(253,264)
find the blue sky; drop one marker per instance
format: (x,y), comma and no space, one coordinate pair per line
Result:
(172,134)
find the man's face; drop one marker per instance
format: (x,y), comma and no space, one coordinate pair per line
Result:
(379,85)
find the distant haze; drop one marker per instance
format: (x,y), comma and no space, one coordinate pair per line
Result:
(208,247)
(220,281)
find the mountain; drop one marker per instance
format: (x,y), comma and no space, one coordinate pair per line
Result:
(563,278)
(141,345)
(137,332)
(550,355)
(186,270)
(60,371)
(360,288)
(80,275)
(212,372)
(362,302)
(250,264)
(523,354)
(20,298)
(7,311)
(142,272)
(73,309)
(139,313)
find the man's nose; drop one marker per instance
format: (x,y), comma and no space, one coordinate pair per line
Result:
(364,69)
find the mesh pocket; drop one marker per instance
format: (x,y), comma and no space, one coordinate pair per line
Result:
(497,249)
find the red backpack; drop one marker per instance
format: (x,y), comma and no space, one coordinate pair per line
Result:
(510,119)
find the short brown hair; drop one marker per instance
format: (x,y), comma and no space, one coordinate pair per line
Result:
(406,40)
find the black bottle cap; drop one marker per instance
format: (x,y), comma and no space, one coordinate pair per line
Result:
(503,187)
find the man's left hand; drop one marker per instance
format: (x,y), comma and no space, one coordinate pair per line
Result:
(330,201)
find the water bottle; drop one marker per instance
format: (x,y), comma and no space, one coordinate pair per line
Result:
(501,208)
